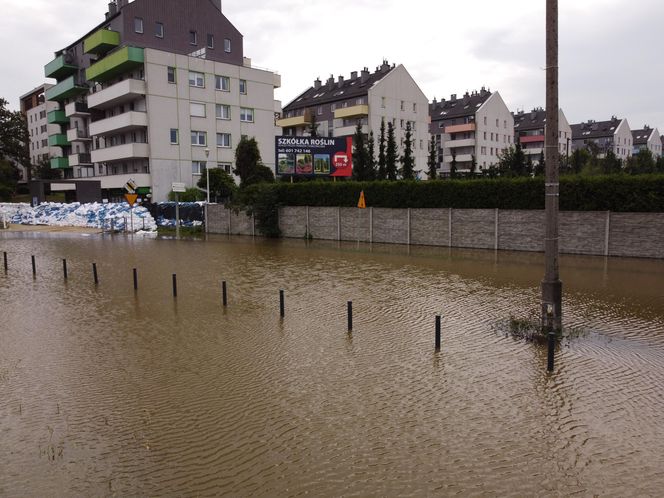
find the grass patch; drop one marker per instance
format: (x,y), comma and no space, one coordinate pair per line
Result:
(529,329)
(186,231)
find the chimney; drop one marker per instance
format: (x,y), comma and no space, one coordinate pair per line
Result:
(385,66)
(330,81)
(341,81)
(317,83)
(353,75)
(121,4)
(364,75)
(453,97)
(434,101)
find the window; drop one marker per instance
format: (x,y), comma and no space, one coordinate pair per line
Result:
(402,105)
(492,136)
(414,107)
(333,106)
(171,74)
(382,102)
(497,123)
(224,140)
(210,41)
(196,79)
(484,120)
(227,45)
(193,38)
(402,124)
(246,115)
(159,30)
(225,167)
(174,135)
(243,87)
(197,109)
(138,25)
(223,111)
(320,110)
(223,83)
(198,138)
(485,135)
(505,124)
(197,167)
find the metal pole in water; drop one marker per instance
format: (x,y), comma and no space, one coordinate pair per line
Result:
(223,293)
(175,285)
(437,332)
(94,273)
(34,267)
(281,303)
(4,254)
(350,315)
(64,268)
(135,279)
(551,350)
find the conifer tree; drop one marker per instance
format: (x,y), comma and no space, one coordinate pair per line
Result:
(382,160)
(371,158)
(359,154)
(407,161)
(431,161)
(391,154)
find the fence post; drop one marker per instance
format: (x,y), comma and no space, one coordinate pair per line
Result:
(4,257)
(281,303)
(224,299)
(64,268)
(350,315)
(94,273)
(34,266)
(135,279)
(175,285)
(449,227)
(607,233)
(437,332)
(339,223)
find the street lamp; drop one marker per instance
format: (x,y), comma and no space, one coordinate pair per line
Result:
(207,173)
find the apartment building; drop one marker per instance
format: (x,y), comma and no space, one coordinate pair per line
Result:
(156,92)
(529,128)
(43,119)
(337,106)
(471,130)
(614,134)
(647,138)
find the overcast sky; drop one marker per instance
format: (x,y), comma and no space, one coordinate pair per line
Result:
(610,50)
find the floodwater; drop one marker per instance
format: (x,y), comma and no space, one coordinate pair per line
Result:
(109,392)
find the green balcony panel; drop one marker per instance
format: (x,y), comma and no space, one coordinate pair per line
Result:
(101,42)
(57,117)
(59,140)
(119,62)
(65,89)
(59,162)
(58,68)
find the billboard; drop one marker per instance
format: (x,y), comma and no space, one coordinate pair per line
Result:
(314,156)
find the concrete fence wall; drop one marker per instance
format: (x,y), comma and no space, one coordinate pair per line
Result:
(594,233)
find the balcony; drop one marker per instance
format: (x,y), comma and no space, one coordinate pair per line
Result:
(460,128)
(82,159)
(101,41)
(345,131)
(57,117)
(355,111)
(116,63)
(65,89)
(58,68)
(118,124)
(59,162)
(121,152)
(304,120)
(117,94)
(453,144)
(527,139)
(276,80)
(59,140)
(77,109)
(77,135)
(460,158)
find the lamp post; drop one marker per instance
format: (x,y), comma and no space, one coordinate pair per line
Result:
(207,173)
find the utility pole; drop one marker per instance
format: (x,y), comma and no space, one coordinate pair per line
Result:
(552,287)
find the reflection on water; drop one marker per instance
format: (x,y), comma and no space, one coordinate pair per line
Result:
(105,391)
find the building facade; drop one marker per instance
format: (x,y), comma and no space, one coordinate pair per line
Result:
(336,107)
(614,134)
(529,129)
(43,121)
(471,131)
(647,138)
(158,92)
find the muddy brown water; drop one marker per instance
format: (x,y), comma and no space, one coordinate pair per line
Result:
(108,392)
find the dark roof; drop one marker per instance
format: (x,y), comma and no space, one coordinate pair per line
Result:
(533,120)
(641,137)
(342,89)
(595,129)
(458,107)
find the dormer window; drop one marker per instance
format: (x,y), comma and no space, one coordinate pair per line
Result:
(193,38)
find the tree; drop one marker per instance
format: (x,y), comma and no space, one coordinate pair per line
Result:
(8,179)
(14,140)
(248,163)
(659,164)
(453,165)
(641,164)
(432,159)
(579,159)
(313,126)
(371,157)
(407,161)
(473,165)
(360,159)
(612,164)
(221,183)
(382,160)
(391,154)
(189,195)
(512,162)
(539,169)
(43,171)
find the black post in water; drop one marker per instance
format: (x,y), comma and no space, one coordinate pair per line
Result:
(437,332)
(552,348)
(64,268)
(4,254)
(135,279)
(281,303)
(34,267)
(350,315)
(175,285)
(223,293)
(94,273)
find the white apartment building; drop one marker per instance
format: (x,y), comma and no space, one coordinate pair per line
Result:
(529,129)
(389,93)
(150,100)
(614,134)
(647,138)
(471,130)
(42,118)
